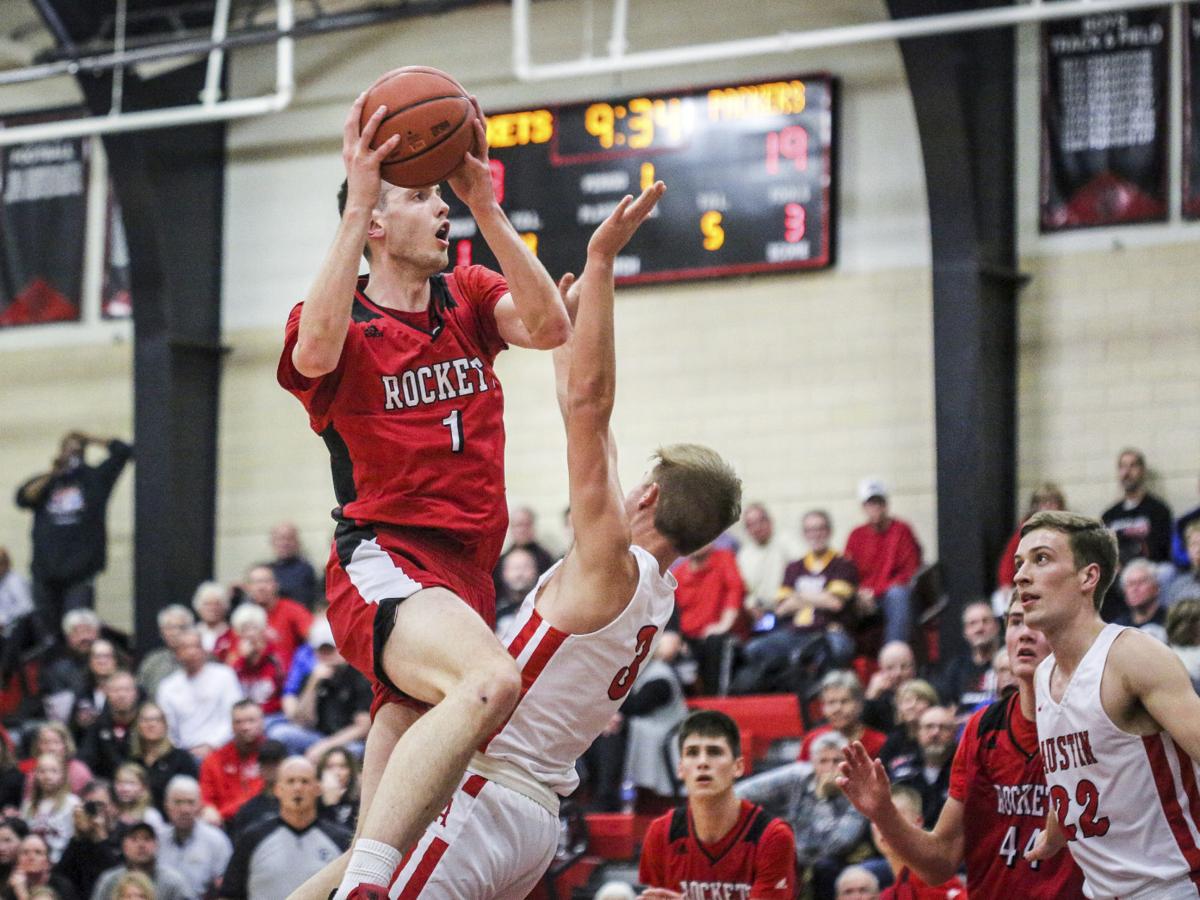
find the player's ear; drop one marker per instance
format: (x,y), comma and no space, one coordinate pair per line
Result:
(739,767)
(649,496)
(1089,577)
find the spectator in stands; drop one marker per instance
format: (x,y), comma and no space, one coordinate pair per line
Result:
(902,751)
(304,660)
(90,699)
(518,575)
(968,682)
(709,600)
(195,849)
(287,621)
(1139,585)
(1179,552)
(16,596)
(887,555)
(162,661)
(151,748)
(210,603)
(1183,635)
(1186,585)
(1046,496)
(95,847)
(50,809)
(64,673)
(842,707)
(907,884)
(70,541)
(265,867)
(827,828)
(293,572)
(260,674)
(55,739)
(134,886)
(264,804)
(33,870)
(337,773)
(12,782)
(139,853)
(1141,521)
(655,707)
(12,831)
(1002,673)
(897,664)
(229,775)
(930,776)
(857,883)
(198,698)
(522,535)
(131,789)
(762,559)
(107,742)
(333,709)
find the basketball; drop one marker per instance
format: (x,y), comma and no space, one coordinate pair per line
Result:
(433,116)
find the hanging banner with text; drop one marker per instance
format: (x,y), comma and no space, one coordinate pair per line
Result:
(1104,130)
(43,218)
(1191,111)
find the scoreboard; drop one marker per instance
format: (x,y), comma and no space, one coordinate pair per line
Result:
(749,170)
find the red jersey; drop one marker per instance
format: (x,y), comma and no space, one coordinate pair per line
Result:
(757,858)
(997,776)
(228,779)
(884,558)
(908,886)
(706,590)
(413,414)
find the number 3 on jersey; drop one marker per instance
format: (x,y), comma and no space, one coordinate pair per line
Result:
(625,678)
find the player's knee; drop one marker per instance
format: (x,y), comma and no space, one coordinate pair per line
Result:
(497,685)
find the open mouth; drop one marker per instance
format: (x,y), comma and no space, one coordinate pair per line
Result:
(443,233)
(1026,654)
(1028,600)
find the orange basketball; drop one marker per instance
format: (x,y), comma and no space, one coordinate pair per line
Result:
(433,116)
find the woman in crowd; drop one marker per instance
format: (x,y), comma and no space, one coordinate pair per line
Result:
(842,707)
(253,659)
(337,773)
(50,809)
(131,787)
(90,699)
(134,886)
(913,697)
(13,830)
(152,749)
(54,738)
(211,604)
(33,872)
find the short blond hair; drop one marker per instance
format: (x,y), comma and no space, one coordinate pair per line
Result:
(699,495)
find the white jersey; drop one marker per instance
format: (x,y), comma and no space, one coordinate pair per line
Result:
(1128,804)
(572,684)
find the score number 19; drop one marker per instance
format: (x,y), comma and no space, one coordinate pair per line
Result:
(790,143)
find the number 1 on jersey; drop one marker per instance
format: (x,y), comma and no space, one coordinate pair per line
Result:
(454,423)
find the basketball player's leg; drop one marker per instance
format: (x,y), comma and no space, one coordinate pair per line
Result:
(439,651)
(389,724)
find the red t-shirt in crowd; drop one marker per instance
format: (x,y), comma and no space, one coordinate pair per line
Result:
(884,558)
(413,414)
(706,590)
(261,681)
(228,778)
(997,776)
(872,741)
(756,859)
(909,886)
(287,628)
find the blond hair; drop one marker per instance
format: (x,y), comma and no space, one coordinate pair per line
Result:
(699,495)
(1090,541)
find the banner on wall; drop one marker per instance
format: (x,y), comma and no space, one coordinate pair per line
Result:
(1191,111)
(43,218)
(1104,131)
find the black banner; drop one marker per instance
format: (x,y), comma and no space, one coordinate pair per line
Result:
(43,219)
(1104,132)
(1191,111)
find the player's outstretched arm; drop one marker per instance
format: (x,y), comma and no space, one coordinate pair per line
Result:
(326,313)
(1155,676)
(934,855)
(532,313)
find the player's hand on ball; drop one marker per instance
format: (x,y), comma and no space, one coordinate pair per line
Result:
(615,231)
(472,181)
(864,781)
(362,163)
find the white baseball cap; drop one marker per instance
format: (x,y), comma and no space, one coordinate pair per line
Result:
(871,487)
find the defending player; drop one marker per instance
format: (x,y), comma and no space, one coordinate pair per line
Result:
(395,371)
(1118,721)
(583,632)
(716,845)
(997,801)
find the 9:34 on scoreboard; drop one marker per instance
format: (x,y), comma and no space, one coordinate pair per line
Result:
(749,169)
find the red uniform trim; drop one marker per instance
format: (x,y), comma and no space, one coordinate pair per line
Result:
(473,785)
(424,869)
(551,640)
(1164,781)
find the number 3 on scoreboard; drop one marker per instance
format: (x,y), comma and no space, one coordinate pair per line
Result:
(454,423)
(627,675)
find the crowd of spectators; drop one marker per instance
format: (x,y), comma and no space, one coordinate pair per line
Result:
(137,777)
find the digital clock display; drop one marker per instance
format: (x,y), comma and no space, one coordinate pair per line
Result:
(749,170)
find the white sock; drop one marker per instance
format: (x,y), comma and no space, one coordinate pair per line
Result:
(371,862)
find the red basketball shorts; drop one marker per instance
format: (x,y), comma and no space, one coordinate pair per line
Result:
(371,570)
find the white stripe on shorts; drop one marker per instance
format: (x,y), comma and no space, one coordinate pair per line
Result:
(376,576)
